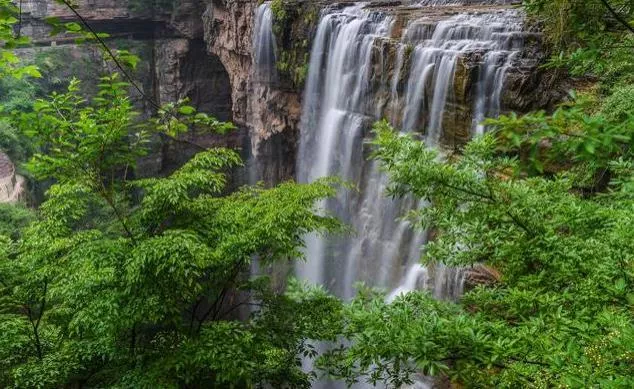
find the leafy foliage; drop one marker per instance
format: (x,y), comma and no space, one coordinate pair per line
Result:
(15,91)
(14,218)
(138,283)
(575,23)
(123,282)
(560,316)
(572,138)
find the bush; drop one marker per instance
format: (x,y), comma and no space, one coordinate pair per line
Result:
(620,105)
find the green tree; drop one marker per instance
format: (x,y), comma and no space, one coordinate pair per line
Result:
(575,23)
(15,90)
(544,203)
(124,282)
(560,314)
(13,219)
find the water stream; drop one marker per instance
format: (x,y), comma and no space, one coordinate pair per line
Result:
(340,104)
(352,83)
(264,46)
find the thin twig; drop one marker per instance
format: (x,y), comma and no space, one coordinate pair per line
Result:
(110,53)
(617,16)
(20,21)
(127,75)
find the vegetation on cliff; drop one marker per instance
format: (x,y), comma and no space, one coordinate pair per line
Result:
(294,24)
(116,281)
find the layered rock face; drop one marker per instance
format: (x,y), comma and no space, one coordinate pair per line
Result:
(270,109)
(174,61)
(204,50)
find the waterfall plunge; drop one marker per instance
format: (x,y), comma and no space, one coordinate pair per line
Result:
(334,124)
(339,109)
(341,102)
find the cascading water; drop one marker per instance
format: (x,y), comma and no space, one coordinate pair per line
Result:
(334,125)
(434,62)
(332,128)
(263,77)
(341,103)
(264,46)
(351,83)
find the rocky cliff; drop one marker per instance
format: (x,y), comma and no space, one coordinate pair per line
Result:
(174,61)
(272,111)
(11,184)
(203,50)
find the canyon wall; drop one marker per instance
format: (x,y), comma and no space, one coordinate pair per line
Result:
(174,62)
(272,110)
(11,184)
(203,50)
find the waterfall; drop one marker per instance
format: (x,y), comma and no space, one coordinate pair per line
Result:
(341,102)
(333,128)
(352,82)
(264,46)
(434,62)
(263,77)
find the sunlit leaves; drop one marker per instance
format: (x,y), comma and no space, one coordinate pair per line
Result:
(175,118)
(9,40)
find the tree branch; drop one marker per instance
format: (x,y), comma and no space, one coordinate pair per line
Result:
(107,197)
(618,17)
(35,322)
(110,53)
(466,191)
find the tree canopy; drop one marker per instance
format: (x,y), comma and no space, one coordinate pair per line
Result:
(130,282)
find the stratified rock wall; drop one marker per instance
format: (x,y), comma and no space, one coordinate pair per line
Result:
(203,50)
(11,184)
(270,112)
(174,61)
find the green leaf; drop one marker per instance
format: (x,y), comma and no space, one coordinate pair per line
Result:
(186,110)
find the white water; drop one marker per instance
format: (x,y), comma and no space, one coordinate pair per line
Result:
(434,62)
(264,46)
(332,136)
(341,102)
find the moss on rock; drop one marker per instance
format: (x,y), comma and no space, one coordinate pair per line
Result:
(294,25)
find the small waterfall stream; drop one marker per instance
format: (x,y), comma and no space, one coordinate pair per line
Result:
(264,46)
